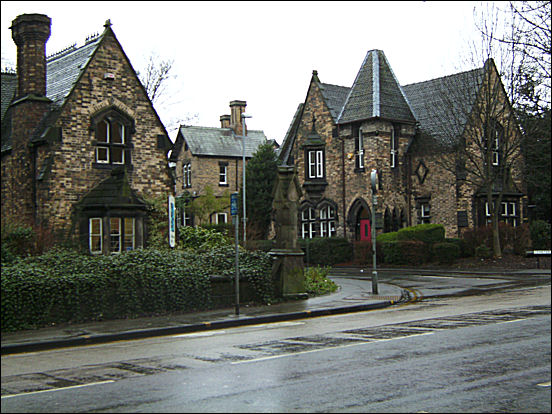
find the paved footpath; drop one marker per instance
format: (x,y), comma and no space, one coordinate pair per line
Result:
(354,295)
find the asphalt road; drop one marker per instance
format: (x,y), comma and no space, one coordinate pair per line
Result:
(477,353)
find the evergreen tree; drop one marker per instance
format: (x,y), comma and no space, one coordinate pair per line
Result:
(260,174)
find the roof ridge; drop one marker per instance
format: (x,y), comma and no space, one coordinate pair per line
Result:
(446,76)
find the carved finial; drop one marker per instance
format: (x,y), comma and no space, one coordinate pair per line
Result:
(107,23)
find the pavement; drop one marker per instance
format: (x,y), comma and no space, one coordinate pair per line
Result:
(354,295)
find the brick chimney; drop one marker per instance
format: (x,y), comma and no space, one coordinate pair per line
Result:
(225,121)
(30,33)
(236,109)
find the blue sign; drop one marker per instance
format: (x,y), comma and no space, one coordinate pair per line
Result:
(234,204)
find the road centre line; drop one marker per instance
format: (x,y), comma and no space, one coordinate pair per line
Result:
(325,349)
(58,389)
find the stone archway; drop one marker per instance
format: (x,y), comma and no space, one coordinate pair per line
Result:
(359,215)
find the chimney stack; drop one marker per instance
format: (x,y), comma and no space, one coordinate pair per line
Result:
(30,32)
(236,109)
(225,121)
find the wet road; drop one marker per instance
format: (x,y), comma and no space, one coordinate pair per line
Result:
(484,352)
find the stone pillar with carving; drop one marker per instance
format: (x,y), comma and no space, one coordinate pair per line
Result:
(287,269)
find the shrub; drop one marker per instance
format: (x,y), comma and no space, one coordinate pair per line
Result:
(445,252)
(17,240)
(326,251)
(427,233)
(385,237)
(391,252)
(540,234)
(317,282)
(463,248)
(483,252)
(201,238)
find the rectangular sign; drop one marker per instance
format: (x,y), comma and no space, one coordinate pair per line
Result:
(234,204)
(172,221)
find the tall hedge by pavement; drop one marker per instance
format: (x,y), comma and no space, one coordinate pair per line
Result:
(65,286)
(540,235)
(326,251)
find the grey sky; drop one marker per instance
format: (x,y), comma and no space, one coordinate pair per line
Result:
(261,52)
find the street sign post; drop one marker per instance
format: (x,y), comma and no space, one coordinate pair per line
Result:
(172,221)
(234,214)
(375,186)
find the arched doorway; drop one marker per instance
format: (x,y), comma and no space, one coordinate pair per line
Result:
(360,220)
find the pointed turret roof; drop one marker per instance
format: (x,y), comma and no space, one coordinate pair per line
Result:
(375,93)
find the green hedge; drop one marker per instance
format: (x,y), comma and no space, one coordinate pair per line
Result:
(413,252)
(326,251)
(445,252)
(65,286)
(540,234)
(427,233)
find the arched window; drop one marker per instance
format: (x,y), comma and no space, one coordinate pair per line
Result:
(308,222)
(327,221)
(112,135)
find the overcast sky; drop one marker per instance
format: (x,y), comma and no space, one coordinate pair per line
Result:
(261,52)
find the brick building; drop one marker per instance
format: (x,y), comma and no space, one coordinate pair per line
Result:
(212,157)
(339,134)
(82,145)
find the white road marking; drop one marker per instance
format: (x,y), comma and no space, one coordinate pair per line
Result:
(544,384)
(57,389)
(325,349)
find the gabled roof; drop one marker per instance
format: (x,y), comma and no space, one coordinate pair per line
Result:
(442,105)
(335,97)
(375,93)
(218,142)
(289,139)
(113,192)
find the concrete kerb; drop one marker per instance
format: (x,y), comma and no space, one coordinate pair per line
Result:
(205,326)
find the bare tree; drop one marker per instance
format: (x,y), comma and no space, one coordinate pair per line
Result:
(473,134)
(155,76)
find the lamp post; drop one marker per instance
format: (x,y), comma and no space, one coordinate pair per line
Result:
(375,185)
(244,135)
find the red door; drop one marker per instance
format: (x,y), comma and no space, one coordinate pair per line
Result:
(365,230)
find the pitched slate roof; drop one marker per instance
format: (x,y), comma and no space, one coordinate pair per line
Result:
(220,142)
(63,69)
(442,105)
(335,97)
(289,139)
(375,93)
(9,86)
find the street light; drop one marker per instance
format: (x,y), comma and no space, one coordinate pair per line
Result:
(244,135)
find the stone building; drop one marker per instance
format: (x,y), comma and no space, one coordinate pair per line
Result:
(413,136)
(211,157)
(82,145)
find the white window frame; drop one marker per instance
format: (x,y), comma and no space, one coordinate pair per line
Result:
(316,164)
(117,235)
(495,153)
(360,153)
(223,174)
(393,149)
(308,223)
(91,234)
(108,145)
(187,175)
(425,213)
(218,216)
(132,243)
(327,221)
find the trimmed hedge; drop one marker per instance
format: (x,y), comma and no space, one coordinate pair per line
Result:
(445,252)
(427,233)
(65,286)
(540,234)
(326,251)
(412,252)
